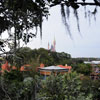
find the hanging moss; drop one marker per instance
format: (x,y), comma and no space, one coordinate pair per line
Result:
(67,12)
(77,19)
(64,19)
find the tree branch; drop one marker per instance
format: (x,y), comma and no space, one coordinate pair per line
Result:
(79,3)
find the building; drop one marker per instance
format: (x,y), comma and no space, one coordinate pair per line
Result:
(59,69)
(67,67)
(53,46)
(52,69)
(92,62)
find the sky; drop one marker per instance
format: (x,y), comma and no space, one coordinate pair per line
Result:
(83,44)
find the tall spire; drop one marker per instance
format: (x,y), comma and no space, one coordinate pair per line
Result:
(54,44)
(52,47)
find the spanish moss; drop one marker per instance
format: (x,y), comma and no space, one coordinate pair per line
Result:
(40,25)
(85,12)
(94,13)
(64,19)
(67,12)
(77,19)
(89,17)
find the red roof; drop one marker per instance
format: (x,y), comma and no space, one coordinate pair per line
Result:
(5,67)
(41,65)
(14,67)
(25,67)
(67,67)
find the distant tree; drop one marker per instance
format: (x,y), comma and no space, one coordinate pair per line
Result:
(21,57)
(44,57)
(85,69)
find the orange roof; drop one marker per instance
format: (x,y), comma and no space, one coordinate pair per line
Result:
(5,66)
(14,67)
(60,65)
(41,65)
(67,67)
(23,68)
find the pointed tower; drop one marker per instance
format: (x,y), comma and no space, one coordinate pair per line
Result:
(52,48)
(54,45)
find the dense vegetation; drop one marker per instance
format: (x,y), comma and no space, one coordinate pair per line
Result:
(35,57)
(15,86)
(77,85)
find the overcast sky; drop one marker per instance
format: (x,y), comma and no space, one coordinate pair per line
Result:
(86,44)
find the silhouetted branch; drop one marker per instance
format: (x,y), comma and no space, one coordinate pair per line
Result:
(77,3)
